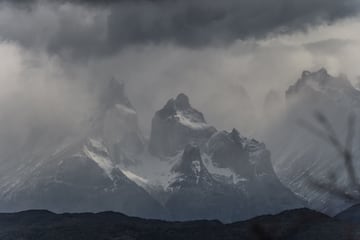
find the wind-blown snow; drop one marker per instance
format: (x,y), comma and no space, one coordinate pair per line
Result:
(98,145)
(102,161)
(152,171)
(223,172)
(136,178)
(125,109)
(188,122)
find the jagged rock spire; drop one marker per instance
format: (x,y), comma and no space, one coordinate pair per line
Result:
(190,156)
(114,93)
(182,101)
(176,125)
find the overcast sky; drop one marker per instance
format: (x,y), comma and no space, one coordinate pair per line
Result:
(226,55)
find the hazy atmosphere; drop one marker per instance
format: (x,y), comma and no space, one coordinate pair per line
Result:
(59,52)
(182,109)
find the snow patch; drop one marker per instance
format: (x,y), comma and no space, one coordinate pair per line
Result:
(154,171)
(98,145)
(196,167)
(102,161)
(223,172)
(136,178)
(125,109)
(191,123)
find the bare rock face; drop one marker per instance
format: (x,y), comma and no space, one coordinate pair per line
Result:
(177,125)
(247,165)
(215,168)
(190,170)
(195,194)
(227,150)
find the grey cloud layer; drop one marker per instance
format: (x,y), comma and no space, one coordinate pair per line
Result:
(113,25)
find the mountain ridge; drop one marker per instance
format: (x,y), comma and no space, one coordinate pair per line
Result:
(292,224)
(191,171)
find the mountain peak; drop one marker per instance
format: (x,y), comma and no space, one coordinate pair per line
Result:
(319,81)
(235,135)
(114,93)
(322,71)
(176,125)
(182,101)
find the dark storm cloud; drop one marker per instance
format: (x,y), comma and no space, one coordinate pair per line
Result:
(186,23)
(200,22)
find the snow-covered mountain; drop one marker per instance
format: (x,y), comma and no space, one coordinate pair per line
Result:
(176,125)
(299,154)
(322,84)
(188,170)
(82,173)
(214,168)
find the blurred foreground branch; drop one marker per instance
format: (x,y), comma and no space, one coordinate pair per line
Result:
(327,133)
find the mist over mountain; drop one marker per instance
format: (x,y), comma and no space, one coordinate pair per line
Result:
(206,112)
(186,170)
(307,155)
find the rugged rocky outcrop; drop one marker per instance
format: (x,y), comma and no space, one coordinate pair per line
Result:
(176,125)
(195,194)
(219,169)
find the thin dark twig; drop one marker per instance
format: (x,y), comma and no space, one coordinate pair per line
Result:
(333,138)
(346,152)
(348,156)
(351,132)
(322,135)
(332,189)
(313,130)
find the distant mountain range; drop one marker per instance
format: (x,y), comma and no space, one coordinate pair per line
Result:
(186,170)
(290,225)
